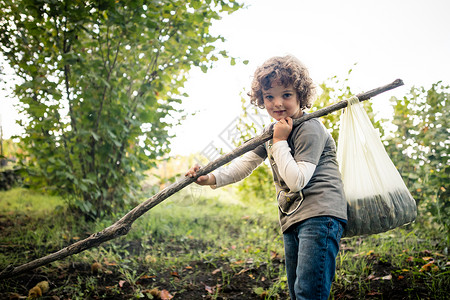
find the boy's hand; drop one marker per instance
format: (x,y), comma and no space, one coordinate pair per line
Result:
(282,129)
(208,179)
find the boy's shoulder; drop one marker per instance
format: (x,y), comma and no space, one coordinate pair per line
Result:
(311,124)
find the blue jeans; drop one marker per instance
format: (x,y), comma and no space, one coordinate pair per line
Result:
(310,248)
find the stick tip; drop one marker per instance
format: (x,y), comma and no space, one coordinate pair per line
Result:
(398,82)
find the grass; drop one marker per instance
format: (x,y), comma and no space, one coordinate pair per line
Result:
(203,244)
(24,201)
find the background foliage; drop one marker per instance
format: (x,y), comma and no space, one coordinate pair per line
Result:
(100,86)
(419,147)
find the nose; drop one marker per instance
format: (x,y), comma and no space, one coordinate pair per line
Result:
(277,102)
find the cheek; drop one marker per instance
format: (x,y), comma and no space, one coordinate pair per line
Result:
(295,104)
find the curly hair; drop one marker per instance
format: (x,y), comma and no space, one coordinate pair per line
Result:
(287,70)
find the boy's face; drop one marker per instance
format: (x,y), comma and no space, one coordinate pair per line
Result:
(281,102)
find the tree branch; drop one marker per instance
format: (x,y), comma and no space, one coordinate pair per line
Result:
(122,226)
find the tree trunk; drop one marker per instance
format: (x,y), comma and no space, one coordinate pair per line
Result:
(123,226)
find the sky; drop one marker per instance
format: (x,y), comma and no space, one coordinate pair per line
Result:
(385,39)
(379,40)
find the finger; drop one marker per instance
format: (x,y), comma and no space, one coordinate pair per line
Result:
(289,121)
(192,171)
(202,178)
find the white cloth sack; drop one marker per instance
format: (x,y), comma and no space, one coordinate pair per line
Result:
(377,198)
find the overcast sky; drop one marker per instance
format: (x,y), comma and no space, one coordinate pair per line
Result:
(387,39)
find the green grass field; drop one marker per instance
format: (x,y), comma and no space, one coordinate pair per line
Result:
(203,244)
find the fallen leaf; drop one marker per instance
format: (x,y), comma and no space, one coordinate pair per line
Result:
(165,295)
(359,254)
(245,217)
(96,267)
(121,283)
(429,267)
(274,255)
(400,277)
(387,277)
(427,258)
(251,276)
(410,259)
(373,293)
(154,292)
(426,267)
(242,271)
(147,276)
(175,274)
(371,277)
(188,267)
(107,263)
(215,271)
(150,259)
(210,289)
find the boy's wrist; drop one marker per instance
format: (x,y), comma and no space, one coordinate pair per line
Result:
(276,140)
(211,179)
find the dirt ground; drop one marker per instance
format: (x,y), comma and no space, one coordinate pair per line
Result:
(199,280)
(206,284)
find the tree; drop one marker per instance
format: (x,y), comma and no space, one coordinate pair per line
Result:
(420,148)
(101,81)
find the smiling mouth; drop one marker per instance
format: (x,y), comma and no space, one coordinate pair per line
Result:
(279,111)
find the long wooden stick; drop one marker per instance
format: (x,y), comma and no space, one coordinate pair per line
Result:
(123,226)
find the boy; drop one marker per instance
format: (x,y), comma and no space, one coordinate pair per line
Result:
(311,204)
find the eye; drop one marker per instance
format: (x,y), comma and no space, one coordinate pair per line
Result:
(287,95)
(268,97)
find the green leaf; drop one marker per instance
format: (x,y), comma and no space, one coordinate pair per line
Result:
(95,136)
